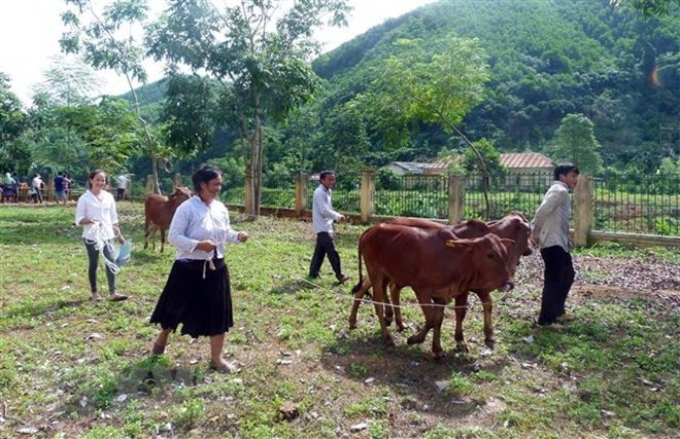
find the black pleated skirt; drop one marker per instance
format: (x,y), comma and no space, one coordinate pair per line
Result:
(197,297)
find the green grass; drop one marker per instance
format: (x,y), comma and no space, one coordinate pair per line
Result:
(79,369)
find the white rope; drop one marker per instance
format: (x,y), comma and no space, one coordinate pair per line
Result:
(95,237)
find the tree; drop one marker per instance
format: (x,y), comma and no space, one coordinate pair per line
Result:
(345,143)
(648,8)
(15,156)
(108,41)
(69,82)
(257,52)
(575,142)
(436,82)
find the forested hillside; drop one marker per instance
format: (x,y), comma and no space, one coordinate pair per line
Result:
(548,58)
(534,64)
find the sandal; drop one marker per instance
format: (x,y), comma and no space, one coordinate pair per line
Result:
(115,297)
(95,297)
(225,368)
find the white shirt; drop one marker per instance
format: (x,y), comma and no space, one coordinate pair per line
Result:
(323,214)
(36,183)
(103,210)
(194,221)
(122,182)
(551,222)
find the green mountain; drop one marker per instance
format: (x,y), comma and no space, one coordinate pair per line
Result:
(549,58)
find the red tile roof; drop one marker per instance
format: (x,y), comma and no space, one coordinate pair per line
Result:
(511,160)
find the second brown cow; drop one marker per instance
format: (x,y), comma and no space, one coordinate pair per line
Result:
(158,213)
(435,264)
(513,226)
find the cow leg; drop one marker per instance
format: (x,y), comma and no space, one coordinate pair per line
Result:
(437,350)
(379,295)
(162,238)
(429,312)
(487,306)
(395,291)
(146,234)
(460,311)
(359,293)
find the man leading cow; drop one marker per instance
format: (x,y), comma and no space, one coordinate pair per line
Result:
(551,231)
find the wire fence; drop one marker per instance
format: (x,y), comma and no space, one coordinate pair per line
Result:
(425,196)
(641,204)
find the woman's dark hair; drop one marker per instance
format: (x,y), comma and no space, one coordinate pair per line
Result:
(92,175)
(564,169)
(204,175)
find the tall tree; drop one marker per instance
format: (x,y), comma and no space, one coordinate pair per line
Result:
(434,82)
(69,82)
(107,41)
(649,8)
(14,154)
(575,142)
(257,51)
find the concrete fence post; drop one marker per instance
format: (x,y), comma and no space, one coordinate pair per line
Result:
(583,211)
(456,198)
(366,195)
(50,188)
(300,193)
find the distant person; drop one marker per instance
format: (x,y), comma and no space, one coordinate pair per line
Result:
(59,193)
(197,293)
(9,188)
(550,228)
(36,188)
(323,217)
(122,186)
(68,183)
(96,212)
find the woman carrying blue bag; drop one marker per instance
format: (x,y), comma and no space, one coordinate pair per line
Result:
(96,212)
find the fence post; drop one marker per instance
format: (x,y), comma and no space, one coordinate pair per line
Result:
(583,210)
(300,193)
(50,188)
(456,197)
(366,196)
(149,189)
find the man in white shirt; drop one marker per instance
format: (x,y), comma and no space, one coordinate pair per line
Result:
(550,228)
(323,216)
(122,185)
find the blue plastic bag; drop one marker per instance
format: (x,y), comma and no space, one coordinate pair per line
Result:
(122,256)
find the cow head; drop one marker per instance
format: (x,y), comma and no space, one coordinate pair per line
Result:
(487,257)
(178,196)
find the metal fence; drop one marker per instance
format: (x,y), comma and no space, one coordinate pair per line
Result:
(425,196)
(347,200)
(648,204)
(517,192)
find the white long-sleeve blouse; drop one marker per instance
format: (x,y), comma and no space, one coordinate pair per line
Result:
(194,221)
(101,209)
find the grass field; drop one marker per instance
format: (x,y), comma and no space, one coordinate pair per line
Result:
(72,368)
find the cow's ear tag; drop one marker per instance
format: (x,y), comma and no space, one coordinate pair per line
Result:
(451,243)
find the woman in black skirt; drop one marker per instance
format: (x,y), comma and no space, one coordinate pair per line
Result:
(198,292)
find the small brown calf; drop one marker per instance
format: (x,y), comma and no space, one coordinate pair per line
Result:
(158,213)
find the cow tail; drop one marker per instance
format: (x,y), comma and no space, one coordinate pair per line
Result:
(357,287)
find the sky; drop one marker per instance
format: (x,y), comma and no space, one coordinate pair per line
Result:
(30,32)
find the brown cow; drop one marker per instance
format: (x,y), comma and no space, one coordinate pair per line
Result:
(435,264)
(158,213)
(513,226)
